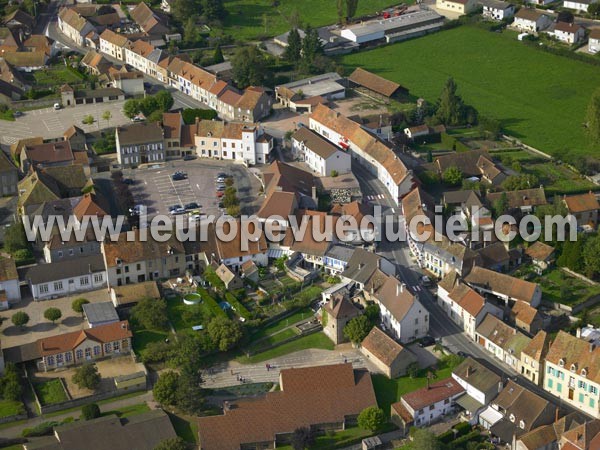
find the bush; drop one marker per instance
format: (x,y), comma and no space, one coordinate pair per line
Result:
(87,377)
(90,411)
(189,115)
(371,419)
(41,429)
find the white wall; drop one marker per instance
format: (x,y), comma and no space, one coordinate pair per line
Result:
(68,286)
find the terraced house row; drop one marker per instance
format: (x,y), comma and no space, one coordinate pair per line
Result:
(249,105)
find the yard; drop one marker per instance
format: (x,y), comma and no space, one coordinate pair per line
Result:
(274,327)
(560,287)
(315,340)
(339,439)
(539,97)
(11,408)
(128,411)
(389,391)
(57,76)
(246,18)
(50,392)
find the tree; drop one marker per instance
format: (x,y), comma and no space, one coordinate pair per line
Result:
(189,395)
(357,329)
(294,49)
(214,9)
(302,438)
(452,176)
(249,66)
(591,256)
(86,377)
(164,101)
(450,105)
(371,418)
(594,9)
(340,12)
(191,35)
(10,385)
(311,48)
(593,117)
(15,238)
(20,319)
(151,313)
(423,439)
(107,115)
(517,182)
(224,333)
(88,120)
(131,108)
(52,314)
(182,9)
(175,443)
(565,16)
(372,312)
(165,389)
(90,411)
(218,55)
(491,126)
(351,7)
(500,206)
(234,210)
(77,305)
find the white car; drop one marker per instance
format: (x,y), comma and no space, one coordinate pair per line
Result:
(57,106)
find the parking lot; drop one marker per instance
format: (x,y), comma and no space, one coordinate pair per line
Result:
(48,123)
(155,188)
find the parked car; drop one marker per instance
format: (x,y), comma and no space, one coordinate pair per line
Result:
(220,194)
(426,341)
(189,157)
(221,187)
(178,211)
(178,176)
(128,181)
(138,209)
(17,114)
(191,206)
(57,106)
(221,205)
(174,207)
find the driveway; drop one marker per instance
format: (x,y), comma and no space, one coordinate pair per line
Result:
(39,327)
(49,123)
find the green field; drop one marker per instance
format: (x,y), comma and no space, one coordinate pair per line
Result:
(245,19)
(128,411)
(539,97)
(50,392)
(11,408)
(315,340)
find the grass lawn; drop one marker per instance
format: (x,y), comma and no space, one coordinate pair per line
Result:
(185,427)
(245,18)
(315,340)
(7,115)
(50,392)
(56,76)
(540,98)
(11,408)
(340,439)
(142,337)
(274,327)
(272,340)
(128,411)
(210,303)
(389,391)
(574,291)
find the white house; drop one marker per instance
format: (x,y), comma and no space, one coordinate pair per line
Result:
(402,314)
(319,154)
(505,287)
(464,306)
(139,143)
(65,278)
(458,6)
(578,5)
(594,40)
(530,20)
(569,33)
(10,291)
(430,403)
(113,44)
(365,149)
(75,27)
(240,142)
(497,9)
(501,340)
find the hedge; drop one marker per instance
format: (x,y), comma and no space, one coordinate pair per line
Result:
(238,306)
(451,142)
(211,303)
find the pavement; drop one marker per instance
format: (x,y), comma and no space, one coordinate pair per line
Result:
(49,123)
(229,373)
(155,189)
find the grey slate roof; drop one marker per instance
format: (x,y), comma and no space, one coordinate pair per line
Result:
(361,266)
(100,312)
(45,273)
(340,252)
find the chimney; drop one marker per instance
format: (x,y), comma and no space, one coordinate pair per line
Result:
(398,289)
(314,194)
(500,386)
(556,414)
(468,371)
(197,120)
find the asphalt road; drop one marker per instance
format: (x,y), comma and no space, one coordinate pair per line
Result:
(440,325)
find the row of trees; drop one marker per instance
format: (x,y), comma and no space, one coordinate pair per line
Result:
(151,106)
(207,10)
(21,318)
(303,52)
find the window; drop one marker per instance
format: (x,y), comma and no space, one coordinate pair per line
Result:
(88,352)
(580,398)
(446,401)
(98,278)
(593,389)
(50,360)
(59,358)
(558,387)
(84,281)
(68,357)
(592,403)
(79,354)
(521,425)
(58,286)
(138,267)
(43,288)
(60,254)
(550,383)
(417,321)
(116,346)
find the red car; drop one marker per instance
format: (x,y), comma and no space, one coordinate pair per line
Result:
(220,194)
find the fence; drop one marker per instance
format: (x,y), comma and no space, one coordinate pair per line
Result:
(13,418)
(34,104)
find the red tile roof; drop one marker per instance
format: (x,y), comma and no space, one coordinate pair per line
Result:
(69,341)
(437,392)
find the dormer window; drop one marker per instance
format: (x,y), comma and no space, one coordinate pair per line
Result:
(583,373)
(522,425)
(512,418)
(561,362)
(573,367)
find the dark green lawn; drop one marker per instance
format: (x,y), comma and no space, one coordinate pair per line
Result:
(315,340)
(50,392)
(540,98)
(11,408)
